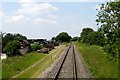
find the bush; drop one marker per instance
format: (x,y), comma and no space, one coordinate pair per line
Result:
(6,38)
(94,38)
(12,47)
(36,46)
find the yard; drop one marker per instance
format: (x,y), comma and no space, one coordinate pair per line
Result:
(30,65)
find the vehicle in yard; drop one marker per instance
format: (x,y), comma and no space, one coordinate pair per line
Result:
(44,50)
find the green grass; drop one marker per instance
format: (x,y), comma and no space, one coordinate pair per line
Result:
(35,70)
(0,69)
(65,43)
(97,61)
(13,65)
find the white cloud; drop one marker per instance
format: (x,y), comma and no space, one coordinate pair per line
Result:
(15,18)
(53,16)
(30,10)
(33,8)
(44,21)
(2,14)
(26,1)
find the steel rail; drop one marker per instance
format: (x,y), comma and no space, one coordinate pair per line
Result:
(75,66)
(60,67)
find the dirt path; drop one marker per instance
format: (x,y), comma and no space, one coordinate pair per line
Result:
(82,70)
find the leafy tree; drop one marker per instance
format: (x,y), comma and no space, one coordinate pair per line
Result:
(63,37)
(96,38)
(8,37)
(12,47)
(86,31)
(109,19)
(84,34)
(91,37)
(36,46)
(19,37)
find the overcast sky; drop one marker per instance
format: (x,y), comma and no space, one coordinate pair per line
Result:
(47,19)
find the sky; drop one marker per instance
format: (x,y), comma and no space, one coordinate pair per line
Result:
(35,19)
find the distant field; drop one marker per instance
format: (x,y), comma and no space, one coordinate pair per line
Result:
(97,61)
(14,65)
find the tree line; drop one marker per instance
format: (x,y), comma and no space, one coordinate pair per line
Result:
(11,43)
(108,34)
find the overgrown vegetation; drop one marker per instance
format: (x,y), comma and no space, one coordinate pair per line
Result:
(97,61)
(91,37)
(109,19)
(107,35)
(11,43)
(36,46)
(12,47)
(7,37)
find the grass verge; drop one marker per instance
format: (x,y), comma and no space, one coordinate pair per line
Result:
(13,65)
(97,61)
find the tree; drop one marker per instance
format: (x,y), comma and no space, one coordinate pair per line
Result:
(86,31)
(95,38)
(10,37)
(36,46)
(12,47)
(63,37)
(19,37)
(53,38)
(84,34)
(92,37)
(109,19)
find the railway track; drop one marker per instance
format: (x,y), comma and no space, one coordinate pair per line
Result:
(68,67)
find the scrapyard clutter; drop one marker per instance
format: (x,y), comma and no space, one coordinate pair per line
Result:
(17,44)
(26,46)
(47,45)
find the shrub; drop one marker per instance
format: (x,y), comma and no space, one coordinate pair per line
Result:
(36,46)
(12,47)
